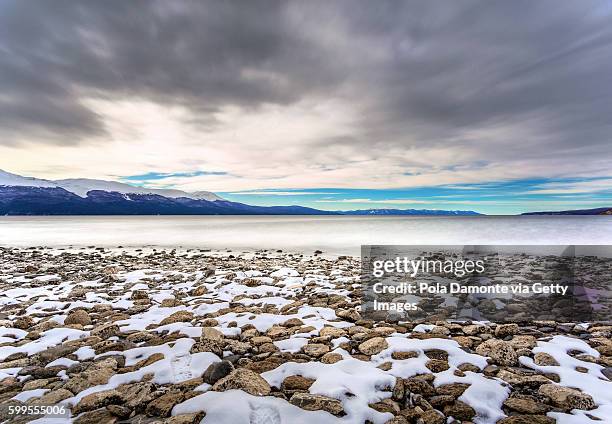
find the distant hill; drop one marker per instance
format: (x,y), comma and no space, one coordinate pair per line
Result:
(596,211)
(434,212)
(33,196)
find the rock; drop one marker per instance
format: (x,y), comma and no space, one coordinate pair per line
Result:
(526,406)
(98,400)
(311,402)
(162,406)
(179,316)
(211,334)
(185,418)
(453,389)
(522,380)
(78,317)
(544,359)
(474,329)
(436,365)
(106,331)
(432,416)
(405,355)
(331,358)
(566,398)
(505,330)
(119,410)
(216,371)
(460,410)
(208,345)
(332,332)
(53,397)
(419,386)
(292,322)
(527,419)
(296,382)
(24,322)
(349,315)
(373,346)
(315,349)
(137,395)
(501,352)
(243,379)
(99,416)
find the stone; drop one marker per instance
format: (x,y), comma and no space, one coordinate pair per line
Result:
(373,346)
(505,330)
(216,371)
(211,334)
(137,395)
(348,314)
(106,331)
(98,416)
(453,389)
(296,382)
(526,406)
(460,410)
(311,402)
(544,359)
(567,398)
(500,352)
(405,355)
(23,323)
(98,400)
(78,317)
(436,365)
(53,397)
(527,419)
(431,416)
(331,358)
(243,379)
(332,332)
(179,316)
(315,349)
(186,418)
(162,406)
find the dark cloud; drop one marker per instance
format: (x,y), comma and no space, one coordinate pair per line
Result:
(434,70)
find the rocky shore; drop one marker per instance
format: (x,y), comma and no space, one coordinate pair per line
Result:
(267,337)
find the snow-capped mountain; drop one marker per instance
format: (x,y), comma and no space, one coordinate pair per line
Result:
(82,186)
(34,196)
(14,180)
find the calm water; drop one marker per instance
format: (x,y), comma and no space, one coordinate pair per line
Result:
(332,234)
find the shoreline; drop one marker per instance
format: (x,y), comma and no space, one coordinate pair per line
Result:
(179,336)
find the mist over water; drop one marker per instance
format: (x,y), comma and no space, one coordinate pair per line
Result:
(331,234)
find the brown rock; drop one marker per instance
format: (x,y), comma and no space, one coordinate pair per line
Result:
(315,349)
(98,400)
(312,402)
(79,317)
(179,316)
(296,382)
(405,355)
(567,398)
(162,406)
(527,419)
(544,359)
(501,352)
(526,406)
(243,379)
(373,346)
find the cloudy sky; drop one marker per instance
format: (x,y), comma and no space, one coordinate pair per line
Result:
(494,106)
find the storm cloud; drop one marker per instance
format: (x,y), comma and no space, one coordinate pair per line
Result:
(464,88)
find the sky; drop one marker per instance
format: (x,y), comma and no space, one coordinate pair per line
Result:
(493,106)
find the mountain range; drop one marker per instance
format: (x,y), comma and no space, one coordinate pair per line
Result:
(34,196)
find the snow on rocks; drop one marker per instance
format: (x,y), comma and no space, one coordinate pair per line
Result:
(158,335)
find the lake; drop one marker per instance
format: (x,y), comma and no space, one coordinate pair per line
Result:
(331,234)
